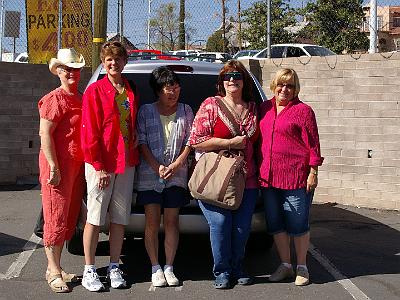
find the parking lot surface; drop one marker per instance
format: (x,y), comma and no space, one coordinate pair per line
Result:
(355,254)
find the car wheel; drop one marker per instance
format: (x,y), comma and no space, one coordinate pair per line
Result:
(260,242)
(75,245)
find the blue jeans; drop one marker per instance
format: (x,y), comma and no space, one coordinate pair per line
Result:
(287,210)
(229,231)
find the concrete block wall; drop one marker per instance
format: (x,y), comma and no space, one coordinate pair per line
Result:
(356,101)
(21,87)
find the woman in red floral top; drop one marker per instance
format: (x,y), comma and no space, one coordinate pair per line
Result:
(212,131)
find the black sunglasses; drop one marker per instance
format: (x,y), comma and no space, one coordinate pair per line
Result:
(115,44)
(233,75)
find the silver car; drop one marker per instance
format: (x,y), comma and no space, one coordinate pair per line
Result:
(198,81)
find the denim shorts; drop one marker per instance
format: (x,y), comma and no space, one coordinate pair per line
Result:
(287,210)
(171,197)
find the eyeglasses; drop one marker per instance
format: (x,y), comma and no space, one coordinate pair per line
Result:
(233,75)
(171,90)
(288,86)
(69,70)
(114,44)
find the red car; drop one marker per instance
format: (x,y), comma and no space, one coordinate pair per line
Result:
(149,54)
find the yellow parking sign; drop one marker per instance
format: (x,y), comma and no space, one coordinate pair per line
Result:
(42,22)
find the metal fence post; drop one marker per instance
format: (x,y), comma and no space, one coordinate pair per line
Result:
(121,19)
(1,29)
(268,29)
(373,26)
(60,23)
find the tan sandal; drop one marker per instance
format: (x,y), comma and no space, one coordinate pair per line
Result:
(57,284)
(67,277)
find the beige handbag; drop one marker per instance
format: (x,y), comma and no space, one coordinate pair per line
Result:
(219,178)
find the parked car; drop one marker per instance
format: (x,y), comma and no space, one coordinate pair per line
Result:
(218,57)
(295,50)
(149,54)
(245,54)
(22,58)
(198,81)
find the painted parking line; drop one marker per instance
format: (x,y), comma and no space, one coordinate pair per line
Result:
(346,283)
(16,267)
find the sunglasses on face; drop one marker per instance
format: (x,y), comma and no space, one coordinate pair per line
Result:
(233,75)
(287,85)
(69,70)
(109,44)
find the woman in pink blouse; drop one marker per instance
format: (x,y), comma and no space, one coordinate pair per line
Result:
(290,156)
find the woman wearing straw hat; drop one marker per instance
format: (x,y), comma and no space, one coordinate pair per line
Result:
(61,163)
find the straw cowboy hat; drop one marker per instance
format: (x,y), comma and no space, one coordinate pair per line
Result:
(66,57)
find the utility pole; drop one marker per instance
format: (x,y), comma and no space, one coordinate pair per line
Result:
(373,26)
(99,30)
(268,37)
(239,27)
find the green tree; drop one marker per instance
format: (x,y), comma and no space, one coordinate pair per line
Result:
(164,27)
(215,42)
(256,18)
(335,24)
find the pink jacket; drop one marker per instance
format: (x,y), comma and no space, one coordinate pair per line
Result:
(289,145)
(102,142)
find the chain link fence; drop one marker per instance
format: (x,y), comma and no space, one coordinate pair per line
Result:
(341,25)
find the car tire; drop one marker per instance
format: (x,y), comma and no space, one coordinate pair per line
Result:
(75,245)
(260,242)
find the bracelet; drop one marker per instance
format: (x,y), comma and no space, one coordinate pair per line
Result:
(314,172)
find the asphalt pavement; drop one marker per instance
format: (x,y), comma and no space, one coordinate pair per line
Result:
(354,254)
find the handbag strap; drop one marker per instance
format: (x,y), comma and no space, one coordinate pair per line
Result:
(229,115)
(206,178)
(238,162)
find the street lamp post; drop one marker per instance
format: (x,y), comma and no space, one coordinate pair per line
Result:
(148,24)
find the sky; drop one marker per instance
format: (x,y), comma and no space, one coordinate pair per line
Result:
(205,17)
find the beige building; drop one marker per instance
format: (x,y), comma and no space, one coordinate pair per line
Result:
(388,19)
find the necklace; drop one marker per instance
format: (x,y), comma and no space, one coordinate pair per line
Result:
(238,116)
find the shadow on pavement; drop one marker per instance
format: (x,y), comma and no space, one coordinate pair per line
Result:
(11,244)
(18,187)
(355,244)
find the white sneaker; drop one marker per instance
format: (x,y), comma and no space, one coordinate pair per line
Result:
(91,281)
(158,279)
(171,278)
(114,276)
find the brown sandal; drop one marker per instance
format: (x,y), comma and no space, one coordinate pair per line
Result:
(57,284)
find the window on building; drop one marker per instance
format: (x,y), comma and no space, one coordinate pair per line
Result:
(396,22)
(379,24)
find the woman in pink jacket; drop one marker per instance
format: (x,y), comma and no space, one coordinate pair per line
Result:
(290,156)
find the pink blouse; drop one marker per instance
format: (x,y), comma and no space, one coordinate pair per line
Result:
(289,145)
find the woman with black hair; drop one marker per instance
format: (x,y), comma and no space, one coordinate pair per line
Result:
(163,132)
